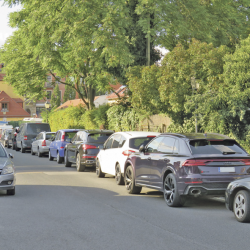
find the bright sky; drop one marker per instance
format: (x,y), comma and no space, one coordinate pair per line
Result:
(5,29)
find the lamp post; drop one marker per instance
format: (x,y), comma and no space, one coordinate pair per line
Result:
(195,86)
(47,105)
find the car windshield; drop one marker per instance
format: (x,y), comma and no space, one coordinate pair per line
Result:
(34,128)
(137,142)
(2,152)
(98,138)
(222,147)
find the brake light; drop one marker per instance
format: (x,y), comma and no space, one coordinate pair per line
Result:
(63,136)
(43,143)
(25,137)
(188,163)
(151,136)
(246,161)
(128,152)
(86,146)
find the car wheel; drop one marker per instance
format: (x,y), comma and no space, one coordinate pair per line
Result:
(31,151)
(59,159)
(39,153)
(11,191)
(98,170)
(241,206)
(22,149)
(130,181)
(80,167)
(118,175)
(13,146)
(171,195)
(66,162)
(50,157)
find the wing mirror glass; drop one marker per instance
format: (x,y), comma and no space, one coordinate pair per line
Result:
(142,148)
(11,156)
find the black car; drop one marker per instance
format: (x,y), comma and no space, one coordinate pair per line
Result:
(26,134)
(238,198)
(182,165)
(84,147)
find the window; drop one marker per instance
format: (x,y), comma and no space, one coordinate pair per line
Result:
(166,146)
(109,143)
(152,146)
(49,93)
(116,141)
(137,142)
(4,106)
(98,138)
(49,78)
(122,141)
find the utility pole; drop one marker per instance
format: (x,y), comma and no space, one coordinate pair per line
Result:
(148,43)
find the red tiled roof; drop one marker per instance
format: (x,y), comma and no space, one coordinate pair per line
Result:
(115,87)
(14,109)
(121,92)
(17,100)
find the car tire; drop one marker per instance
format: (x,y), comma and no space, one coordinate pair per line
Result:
(59,159)
(31,151)
(130,181)
(171,195)
(98,169)
(39,154)
(66,162)
(79,167)
(22,149)
(11,191)
(241,206)
(50,157)
(13,146)
(118,175)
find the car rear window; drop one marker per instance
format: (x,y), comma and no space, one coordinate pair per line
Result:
(98,138)
(137,142)
(69,135)
(221,147)
(34,128)
(48,136)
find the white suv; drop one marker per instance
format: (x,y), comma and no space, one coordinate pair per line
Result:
(111,159)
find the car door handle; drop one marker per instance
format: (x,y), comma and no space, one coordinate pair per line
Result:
(149,158)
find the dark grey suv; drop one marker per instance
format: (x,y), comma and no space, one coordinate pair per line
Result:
(181,165)
(27,132)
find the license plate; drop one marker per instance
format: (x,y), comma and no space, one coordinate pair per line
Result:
(227,169)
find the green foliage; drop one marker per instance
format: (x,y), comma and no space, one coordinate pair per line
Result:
(69,94)
(122,118)
(55,97)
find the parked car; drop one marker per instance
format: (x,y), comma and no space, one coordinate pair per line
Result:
(27,132)
(59,141)
(238,198)
(186,164)
(41,143)
(5,136)
(84,147)
(12,138)
(111,159)
(7,172)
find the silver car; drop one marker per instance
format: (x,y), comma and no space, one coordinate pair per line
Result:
(41,143)
(7,172)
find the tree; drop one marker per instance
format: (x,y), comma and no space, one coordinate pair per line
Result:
(79,39)
(55,97)
(69,93)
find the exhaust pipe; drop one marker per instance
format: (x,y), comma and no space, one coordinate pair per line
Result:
(196,192)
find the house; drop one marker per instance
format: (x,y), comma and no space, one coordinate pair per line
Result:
(121,92)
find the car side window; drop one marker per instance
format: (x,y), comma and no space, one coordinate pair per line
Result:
(122,141)
(109,142)
(167,146)
(74,138)
(154,144)
(21,130)
(58,136)
(116,141)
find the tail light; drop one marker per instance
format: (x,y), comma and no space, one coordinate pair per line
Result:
(246,161)
(189,163)
(86,146)
(43,143)
(151,136)
(128,152)
(25,137)
(63,136)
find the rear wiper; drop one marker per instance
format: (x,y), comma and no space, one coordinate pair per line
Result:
(230,153)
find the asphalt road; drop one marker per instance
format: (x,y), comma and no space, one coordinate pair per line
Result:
(58,208)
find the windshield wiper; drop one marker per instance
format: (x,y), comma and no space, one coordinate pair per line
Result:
(230,153)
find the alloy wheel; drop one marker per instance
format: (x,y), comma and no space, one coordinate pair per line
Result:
(239,206)
(169,190)
(128,179)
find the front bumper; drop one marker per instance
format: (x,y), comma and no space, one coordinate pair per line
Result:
(7,181)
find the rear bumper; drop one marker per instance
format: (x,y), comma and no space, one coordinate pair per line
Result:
(90,161)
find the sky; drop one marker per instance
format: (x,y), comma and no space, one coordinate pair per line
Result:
(5,29)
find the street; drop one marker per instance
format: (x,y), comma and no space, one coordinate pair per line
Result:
(59,208)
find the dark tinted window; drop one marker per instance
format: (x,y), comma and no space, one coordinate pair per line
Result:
(70,135)
(48,136)
(98,138)
(221,147)
(137,142)
(34,128)
(116,141)
(166,146)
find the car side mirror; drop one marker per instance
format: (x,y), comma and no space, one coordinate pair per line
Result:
(11,156)
(142,148)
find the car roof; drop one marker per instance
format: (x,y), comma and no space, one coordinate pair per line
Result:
(138,133)
(196,136)
(69,130)
(92,131)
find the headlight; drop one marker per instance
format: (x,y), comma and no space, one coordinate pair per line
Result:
(7,170)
